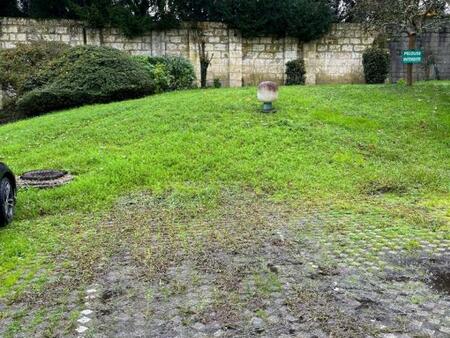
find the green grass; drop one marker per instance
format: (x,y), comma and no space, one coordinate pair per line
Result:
(378,149)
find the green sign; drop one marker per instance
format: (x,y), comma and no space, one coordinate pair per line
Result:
(412,56)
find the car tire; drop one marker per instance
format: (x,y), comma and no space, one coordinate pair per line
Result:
(7,201)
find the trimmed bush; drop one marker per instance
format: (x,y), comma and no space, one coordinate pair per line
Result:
(181,72)
(19,66)
(84,75)
(376,65)
(295,72)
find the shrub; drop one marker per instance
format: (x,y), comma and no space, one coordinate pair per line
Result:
(158,72)
(217,83)
(181,73)
(18,66)
(84,75)
(376,65)
(295,72)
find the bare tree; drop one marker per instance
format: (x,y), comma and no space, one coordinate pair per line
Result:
(399,16)
(205,58)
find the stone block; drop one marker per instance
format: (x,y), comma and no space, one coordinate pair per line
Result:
(61,30)
(23,29)
(334,48)
(21,37)
(117,45)
(175,39)
(289,47)
(279,55)
(234,54)
(220,47)
(6,36)
(367,40)
(234,37)
(344,41)
(258,48)
(266,40)
(10,29)
(266,55)
(235,47)
(347,48)
(355,41)
(65,38)
(171,46)
(213,39)
(322,48)
(220,32)
(340,34)
(8,44)
(359,48)
(291,55)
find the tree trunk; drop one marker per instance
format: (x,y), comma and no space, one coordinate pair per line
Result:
(409,67)
(205,61)
(203,73)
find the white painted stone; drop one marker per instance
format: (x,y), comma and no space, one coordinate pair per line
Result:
(86,312)
(84,320)
(81,329)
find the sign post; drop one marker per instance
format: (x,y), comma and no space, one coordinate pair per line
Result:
(411,57)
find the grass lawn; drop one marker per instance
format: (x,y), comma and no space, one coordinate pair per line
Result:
(376,155)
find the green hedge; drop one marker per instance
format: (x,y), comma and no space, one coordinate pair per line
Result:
(170,72)
(376,65)
(84,75)
(295,72)
(20,65)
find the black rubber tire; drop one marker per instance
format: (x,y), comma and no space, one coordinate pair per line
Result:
(7,195)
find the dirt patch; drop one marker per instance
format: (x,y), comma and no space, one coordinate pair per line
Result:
(440,280)
(379,187)
(423,266)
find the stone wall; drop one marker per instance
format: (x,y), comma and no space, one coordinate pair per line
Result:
(237,61)
(436,47)
(337,57)
(265,58)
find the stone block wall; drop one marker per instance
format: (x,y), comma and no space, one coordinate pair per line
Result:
(337,57)
(16,30)
(237,61)
(265,58)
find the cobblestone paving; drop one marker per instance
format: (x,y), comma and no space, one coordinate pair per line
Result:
(252,269)
(398,273)
(291,280)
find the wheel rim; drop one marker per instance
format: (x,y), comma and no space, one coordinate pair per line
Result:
(8,202)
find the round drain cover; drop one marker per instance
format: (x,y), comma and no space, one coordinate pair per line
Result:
(47,178)
(43,175)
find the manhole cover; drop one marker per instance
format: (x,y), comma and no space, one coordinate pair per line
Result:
(44,178)
(43,175)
